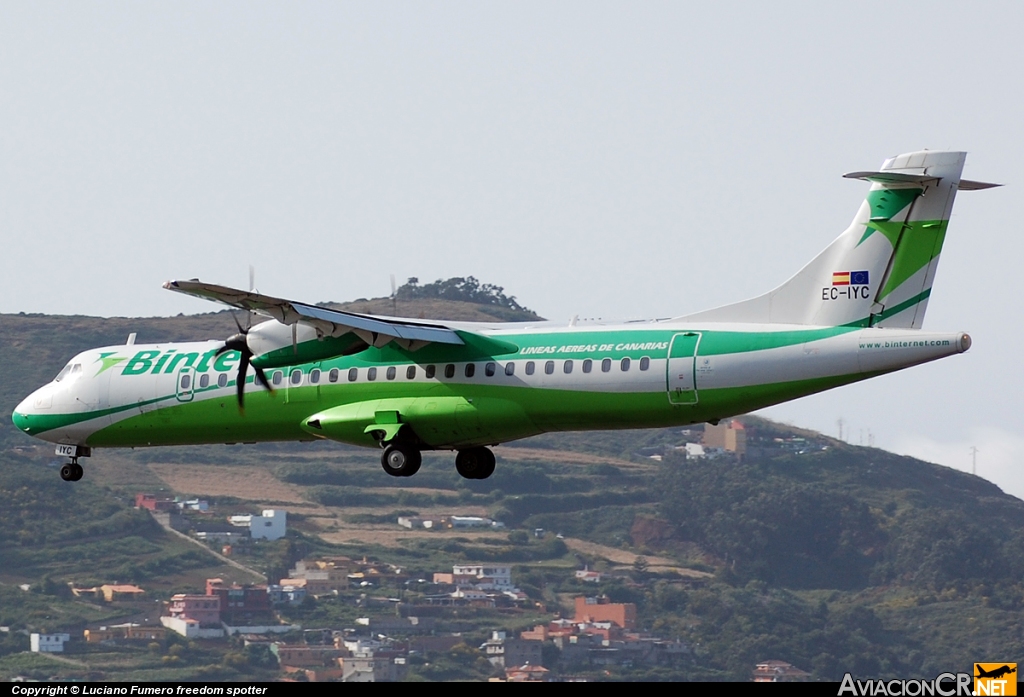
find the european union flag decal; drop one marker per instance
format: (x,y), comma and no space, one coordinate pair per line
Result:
(858,278)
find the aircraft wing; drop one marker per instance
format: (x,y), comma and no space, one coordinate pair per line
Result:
(375,331)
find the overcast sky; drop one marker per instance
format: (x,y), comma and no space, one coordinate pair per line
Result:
(600,159)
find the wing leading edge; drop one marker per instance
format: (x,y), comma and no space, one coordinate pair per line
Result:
(375,331)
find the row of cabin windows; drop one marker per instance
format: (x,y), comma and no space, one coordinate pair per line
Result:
(295,377)
(430,371)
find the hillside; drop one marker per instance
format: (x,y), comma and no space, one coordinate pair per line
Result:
(809,550)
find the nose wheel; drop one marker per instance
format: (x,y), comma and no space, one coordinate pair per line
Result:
(71,471)
(475,463)
(401,460)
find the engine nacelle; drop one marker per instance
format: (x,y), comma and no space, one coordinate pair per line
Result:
(276,345)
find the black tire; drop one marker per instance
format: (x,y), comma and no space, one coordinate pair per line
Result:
(475,463)
(415,461)
(488,465)
(67,472)
(79,472)
(400,460)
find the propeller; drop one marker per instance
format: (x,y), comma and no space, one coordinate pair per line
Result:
(237,342)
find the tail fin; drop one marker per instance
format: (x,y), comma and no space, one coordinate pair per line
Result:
(880,271)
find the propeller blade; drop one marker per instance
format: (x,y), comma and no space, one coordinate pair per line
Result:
(243,367)
(261,378)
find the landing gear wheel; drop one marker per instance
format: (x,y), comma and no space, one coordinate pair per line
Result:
(71,472)
(401,460)
(475,463)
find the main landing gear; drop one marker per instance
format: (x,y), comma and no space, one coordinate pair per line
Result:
(475,463)
(401,460)
(71,471)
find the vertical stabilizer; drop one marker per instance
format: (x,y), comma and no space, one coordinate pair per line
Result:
(880,271)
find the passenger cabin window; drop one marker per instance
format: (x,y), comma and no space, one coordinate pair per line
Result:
(410,373)
(645,363)
(314,375)
(429,371)
(624,365)
(606,365)
(549,367)
(371,374)
(392,372)
(353,374)
(529,367)
(296,376)
(567,367)
(510,368)
(587,365)
(204,380)
(489,370)
(449,370)
(222,380)
(333,375)
(277,378)
(186,381)
(470,370)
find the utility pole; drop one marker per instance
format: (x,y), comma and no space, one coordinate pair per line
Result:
(839,423)
(974,460)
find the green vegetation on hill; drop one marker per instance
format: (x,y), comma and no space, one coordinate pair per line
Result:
(831,557)
(467,290)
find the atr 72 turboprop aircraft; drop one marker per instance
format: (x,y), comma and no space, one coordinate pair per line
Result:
(853,312)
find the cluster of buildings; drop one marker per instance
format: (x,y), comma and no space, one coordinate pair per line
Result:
(479,585)
(600,634)
(732,439)
(348,658)
(449,522)
(223,609)
(127,633)
(270,524)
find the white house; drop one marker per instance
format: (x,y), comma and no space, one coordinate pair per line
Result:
(48,643)
(484,576)
(272,525)
(694,450)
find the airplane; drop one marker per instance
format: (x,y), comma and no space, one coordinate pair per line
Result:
(996,672)
(404,386)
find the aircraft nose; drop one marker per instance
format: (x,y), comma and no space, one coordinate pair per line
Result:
(22,417)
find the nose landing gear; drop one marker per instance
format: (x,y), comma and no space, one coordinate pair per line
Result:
(71,471)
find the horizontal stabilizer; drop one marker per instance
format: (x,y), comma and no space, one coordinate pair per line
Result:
(891,178)
(968,185)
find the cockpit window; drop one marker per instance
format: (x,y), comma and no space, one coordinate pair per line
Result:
(71,370)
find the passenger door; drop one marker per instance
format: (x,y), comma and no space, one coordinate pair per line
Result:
(681,380)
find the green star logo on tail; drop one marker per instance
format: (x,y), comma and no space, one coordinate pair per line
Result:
(109,360)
